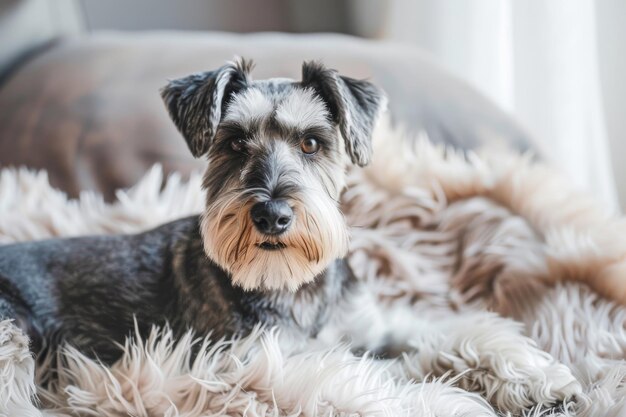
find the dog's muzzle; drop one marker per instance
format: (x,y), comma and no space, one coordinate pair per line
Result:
(272,217)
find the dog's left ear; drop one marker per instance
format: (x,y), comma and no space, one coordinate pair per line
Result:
(354,104)
(195,102)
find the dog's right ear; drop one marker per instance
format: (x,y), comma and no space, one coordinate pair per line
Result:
(195,102)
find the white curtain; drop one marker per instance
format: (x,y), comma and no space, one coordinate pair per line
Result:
(536,58)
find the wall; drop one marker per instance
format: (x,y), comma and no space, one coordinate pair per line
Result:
(610,15)
(539,61)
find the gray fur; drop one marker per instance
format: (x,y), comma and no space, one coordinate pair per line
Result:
(88,291)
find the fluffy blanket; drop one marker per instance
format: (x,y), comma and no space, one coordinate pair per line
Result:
(438,239)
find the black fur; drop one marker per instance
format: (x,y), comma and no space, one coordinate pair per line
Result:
(88,291)
(354,104)
(196,102)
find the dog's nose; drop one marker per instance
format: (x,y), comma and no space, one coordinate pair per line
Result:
(272,217)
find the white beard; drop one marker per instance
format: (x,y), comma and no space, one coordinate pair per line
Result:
(317,237)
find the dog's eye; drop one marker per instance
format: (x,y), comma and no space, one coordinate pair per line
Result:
(309,145)
(238,144)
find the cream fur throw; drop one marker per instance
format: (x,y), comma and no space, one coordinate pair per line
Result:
(463,256)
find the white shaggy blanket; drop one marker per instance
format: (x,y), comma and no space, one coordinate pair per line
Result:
(446,245)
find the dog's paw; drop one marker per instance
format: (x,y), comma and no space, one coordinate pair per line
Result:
(491,356)
(17,369)
(512,384)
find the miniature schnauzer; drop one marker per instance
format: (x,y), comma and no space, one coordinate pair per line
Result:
(268,249)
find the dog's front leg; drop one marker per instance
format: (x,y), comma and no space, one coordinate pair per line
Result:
(490,355)
(487,353)
(17,368)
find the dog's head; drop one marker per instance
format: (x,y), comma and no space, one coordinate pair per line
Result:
(277,152)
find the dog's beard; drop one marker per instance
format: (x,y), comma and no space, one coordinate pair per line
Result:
(317,236)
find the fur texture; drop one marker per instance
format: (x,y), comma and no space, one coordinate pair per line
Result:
(438,240)
(254,134)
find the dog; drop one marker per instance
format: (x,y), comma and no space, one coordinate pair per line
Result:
(268,249)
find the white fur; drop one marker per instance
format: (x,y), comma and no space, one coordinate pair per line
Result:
(249,106)
(259,375)
(301,110)
(436,240)
(481,351)
(17,370)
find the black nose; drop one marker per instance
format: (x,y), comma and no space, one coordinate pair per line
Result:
(272,217)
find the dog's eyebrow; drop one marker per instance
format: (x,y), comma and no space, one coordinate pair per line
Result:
(248,106)
(302,109)
(231,128)
(322,131)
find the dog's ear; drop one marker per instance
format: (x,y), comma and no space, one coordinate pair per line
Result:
(195,103)
(354,104)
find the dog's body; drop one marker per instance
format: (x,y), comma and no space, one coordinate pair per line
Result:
(89,291)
